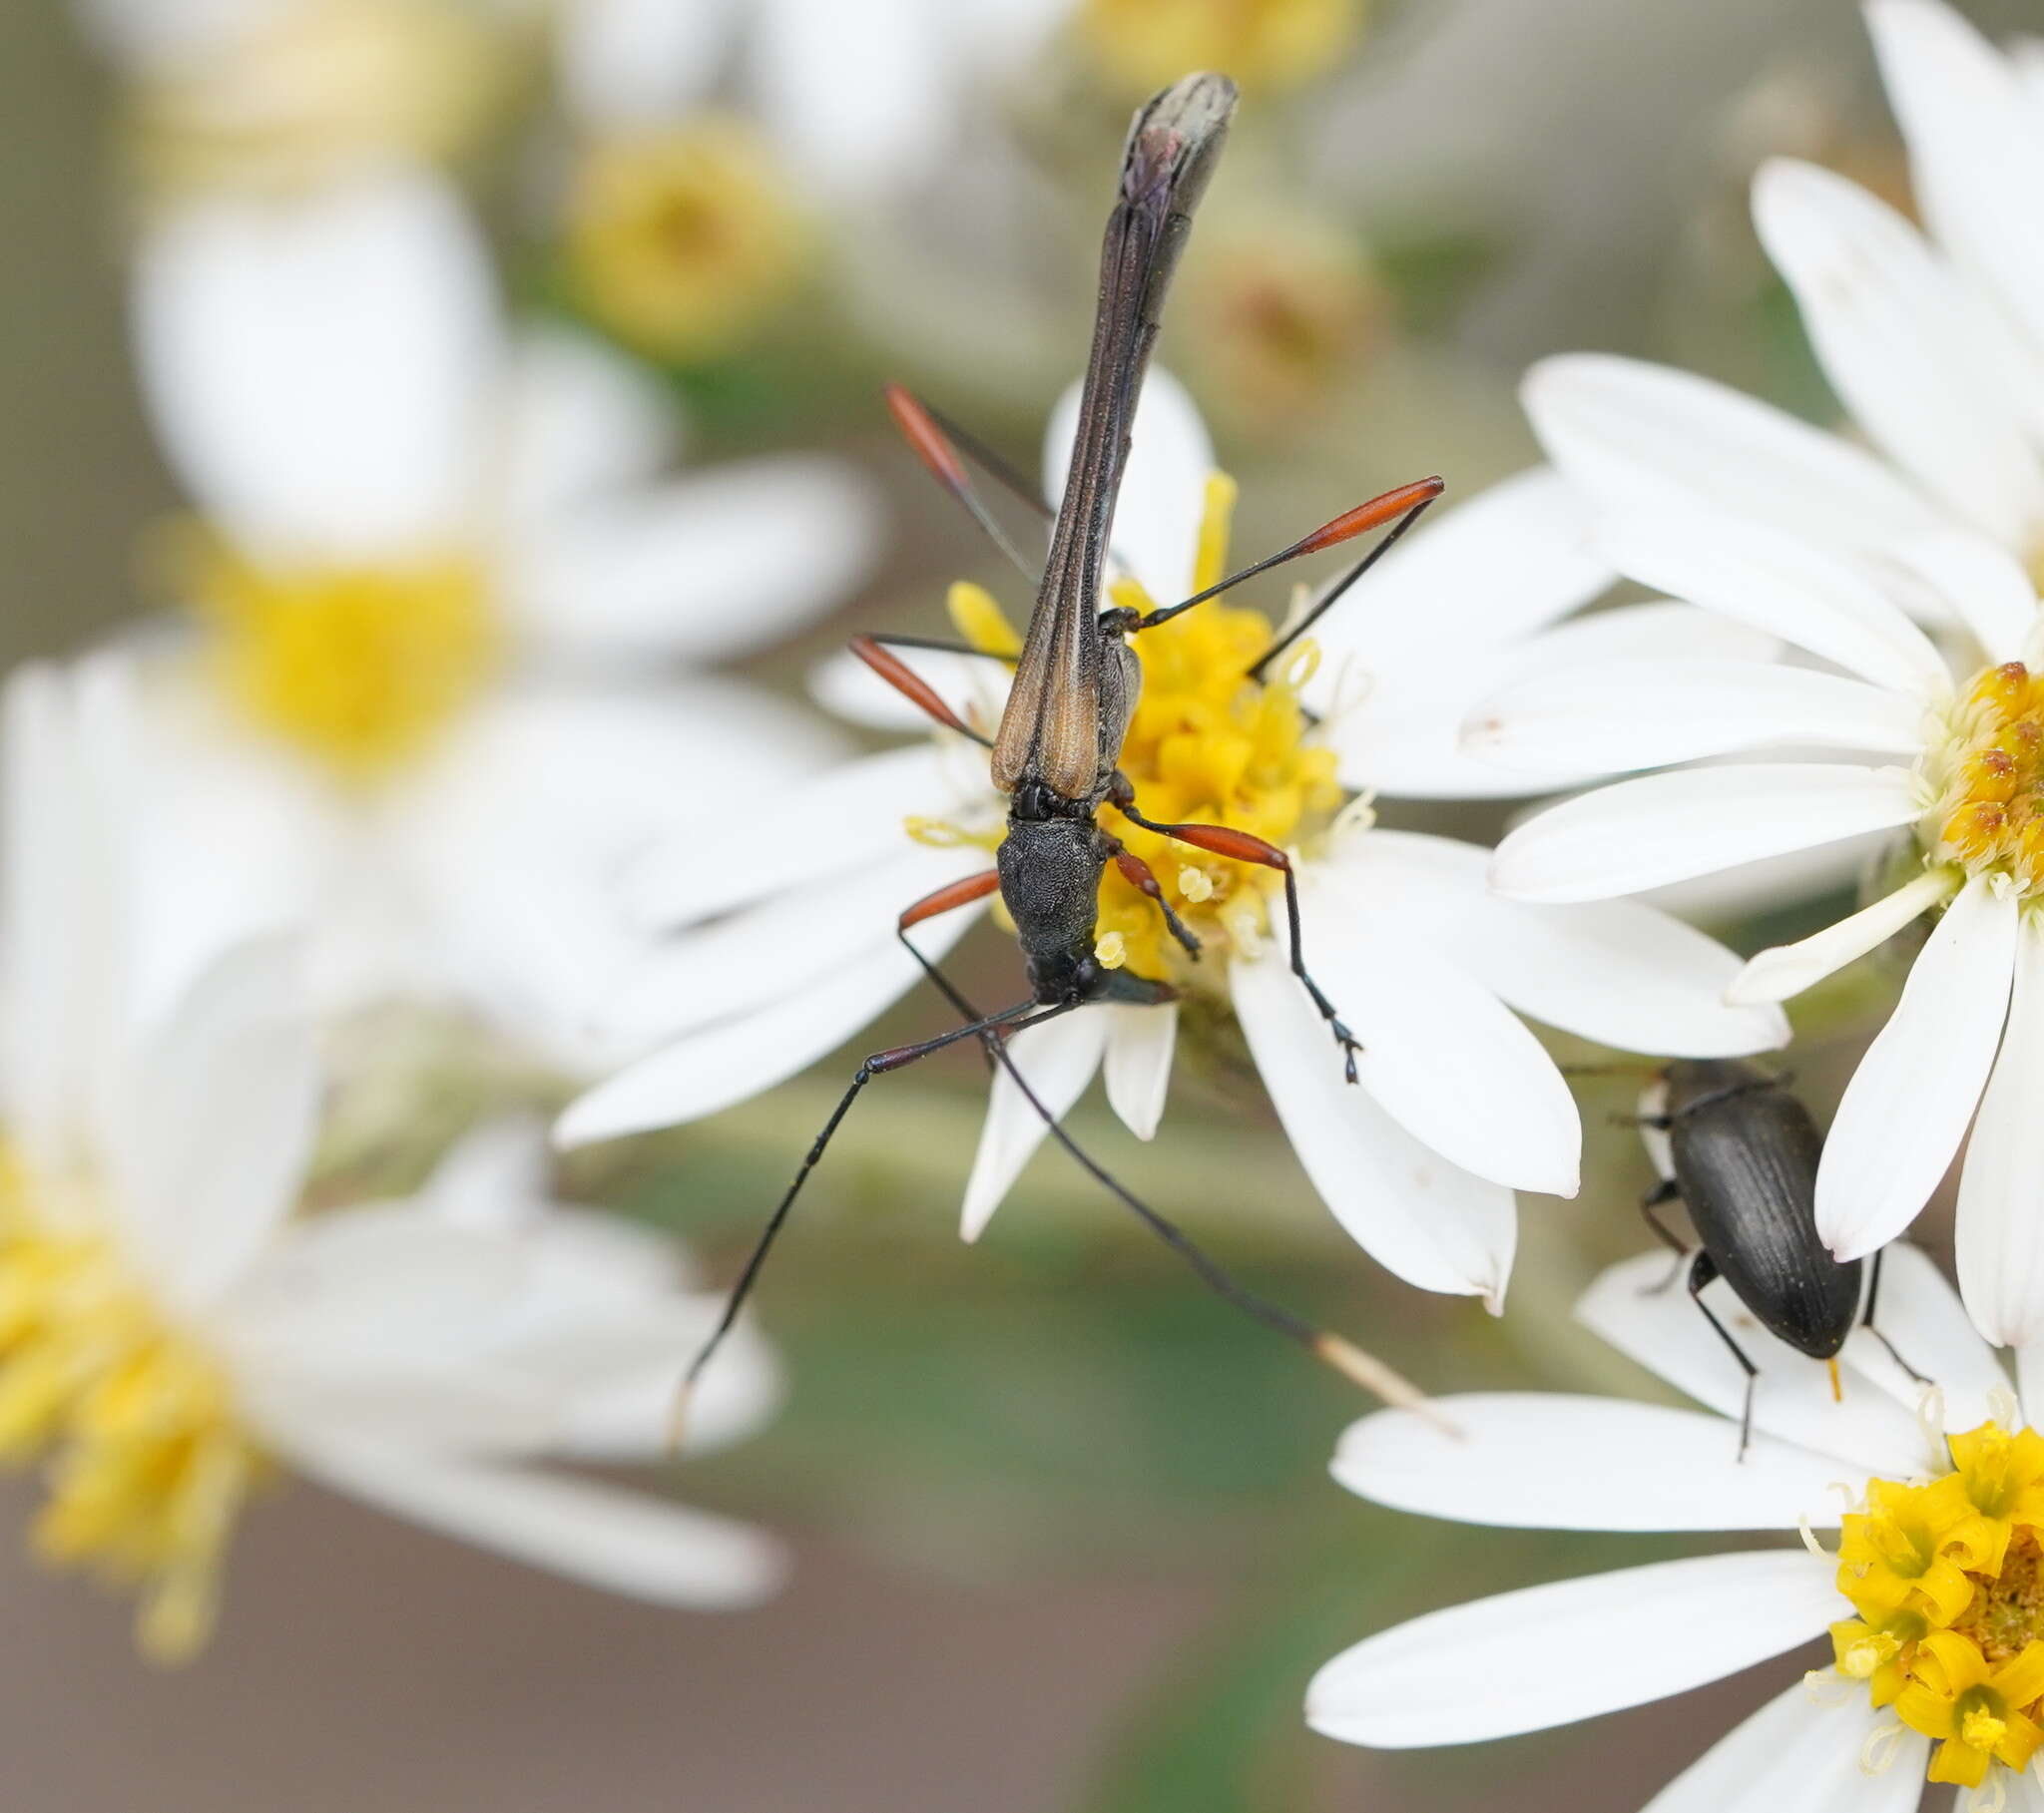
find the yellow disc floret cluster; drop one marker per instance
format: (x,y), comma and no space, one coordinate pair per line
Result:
(1207,745)
(357,666)
(683,240)
(131,1421)
(1989,810)
(1948,1580)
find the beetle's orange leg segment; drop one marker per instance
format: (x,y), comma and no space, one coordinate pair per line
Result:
(1138,875)
(911,686)
(951,895)
(1245,846)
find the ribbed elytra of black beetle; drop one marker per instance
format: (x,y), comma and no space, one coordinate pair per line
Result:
(1741,1152)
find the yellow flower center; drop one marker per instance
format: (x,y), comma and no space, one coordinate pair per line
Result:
(306,92)
(1208,745)
(680,240)
(1989,815)
(359,668)
(1143,44)
(1947,1579)
(133,1422)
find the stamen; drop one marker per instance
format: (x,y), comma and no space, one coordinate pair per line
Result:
(1838,1390)
(1805,1529)
(1883,1743)
(1991,1796)
(1195,884)
(1111,951)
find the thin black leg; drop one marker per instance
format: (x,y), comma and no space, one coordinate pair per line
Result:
(1664,1193)
(1701,1274)
(1866,1321)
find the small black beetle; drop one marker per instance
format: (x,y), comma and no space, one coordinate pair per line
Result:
(1740,1155)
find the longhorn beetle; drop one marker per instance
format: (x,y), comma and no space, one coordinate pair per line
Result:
(1058,744)
(1741,1152)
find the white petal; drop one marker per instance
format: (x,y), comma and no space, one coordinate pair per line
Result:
(1976,148)
(1620,972)
(1637,436)
(1902,346)
(1638,834)
(1784,970)
(1164,492)
(1981,583)
(220,1128)
(622,1542)
(2000,1234)
(1548,1655)
(1801,1752)
(1905,1110)
(318,372)
(1643,1309)
(1140,1044)
(1434,1042)
(710,566)
(628,61)
(753,958)
(1431,1224)
(1920,1313)
(1535,1461)
(845,819)
(712,1070)
(583,420)
(858,91)
(1398,729)
(1809,596)
(495,1176)
(1057,1062)
(63,942)
(1612,716)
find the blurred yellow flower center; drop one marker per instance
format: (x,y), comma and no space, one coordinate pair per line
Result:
(1948,1580)
(1143,44)
(1989,809)
(1278,316)
(134,1423)
(308,92)
(359,668)
(681,239)
(1208,745)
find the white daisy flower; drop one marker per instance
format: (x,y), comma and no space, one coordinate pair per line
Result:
(1930,1601)
(1719,502)
(1399,929)
(285,96)
(856,95)
(433,570)
(171,1339)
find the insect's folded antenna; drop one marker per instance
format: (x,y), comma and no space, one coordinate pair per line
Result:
(1406,502)
(930,445)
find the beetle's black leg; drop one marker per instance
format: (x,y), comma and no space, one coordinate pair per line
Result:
(878,1063)
(1246,846)
(1866,1321)
(1665,1192)
(1701,1272)
(1138,875)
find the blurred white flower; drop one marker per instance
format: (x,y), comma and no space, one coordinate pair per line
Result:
(1458,1104)
(284,96)
(1777,526)
(1930,1601)
(856,95)
(169,1336)
(441,585)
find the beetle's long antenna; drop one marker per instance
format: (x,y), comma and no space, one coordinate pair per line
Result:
(1403,504)
(1335,593)
(940,459)
(1008,477)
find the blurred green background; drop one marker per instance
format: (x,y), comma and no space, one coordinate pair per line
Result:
(1065,1534)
